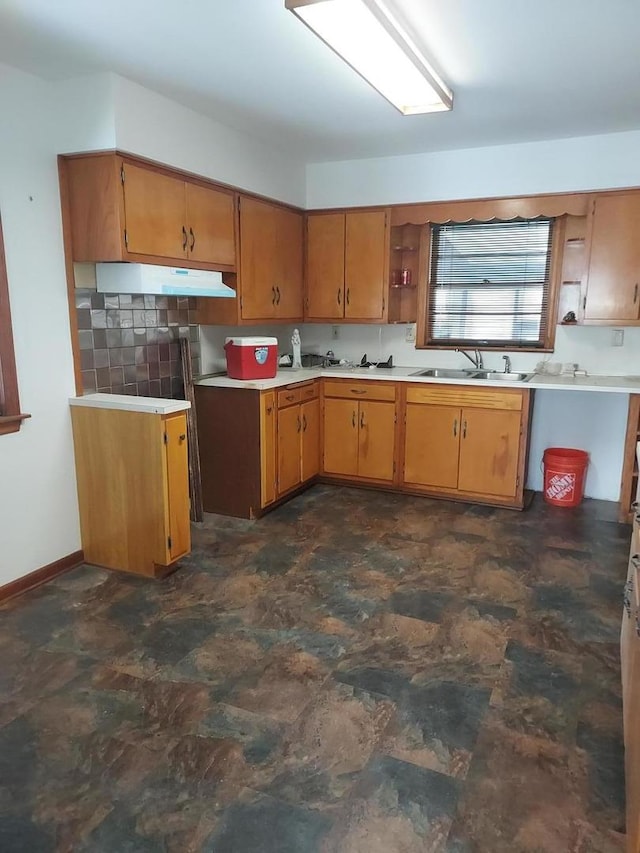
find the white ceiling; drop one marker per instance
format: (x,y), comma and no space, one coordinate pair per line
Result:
(520,70)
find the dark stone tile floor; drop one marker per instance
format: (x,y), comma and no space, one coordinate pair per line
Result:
(355,672)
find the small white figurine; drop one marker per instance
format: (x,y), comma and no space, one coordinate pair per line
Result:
(295,345)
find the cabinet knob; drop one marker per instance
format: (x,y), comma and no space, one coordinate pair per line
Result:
(182,437)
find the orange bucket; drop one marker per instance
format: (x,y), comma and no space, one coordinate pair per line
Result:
(565,471)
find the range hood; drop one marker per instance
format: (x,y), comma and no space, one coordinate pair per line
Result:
(163,281)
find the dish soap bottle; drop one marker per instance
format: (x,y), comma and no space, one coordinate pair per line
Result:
(295,346)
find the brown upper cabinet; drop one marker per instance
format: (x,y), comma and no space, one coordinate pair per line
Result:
(123,210)
(270,261)
(347,265)
(613,279)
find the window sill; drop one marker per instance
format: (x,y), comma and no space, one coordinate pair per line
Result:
(11,423)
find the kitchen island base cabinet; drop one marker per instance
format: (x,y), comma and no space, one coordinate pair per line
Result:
(466,443)
(133,488)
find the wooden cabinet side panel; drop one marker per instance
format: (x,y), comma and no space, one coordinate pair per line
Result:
(341,437)
(377,428)
(268,447)
(613,281)
(289,446)
(155,213)
(366,260)
(431,445)
(229,440)
(489,452)
(310,459)
(95,204)
(325,266)
(178,506)
(211,222)
(120,469)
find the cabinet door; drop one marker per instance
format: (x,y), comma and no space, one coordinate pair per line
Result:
(341,437)
(325,266)
(431,446)
(210,219)
(377,427)
(614,262)
(289,429)
(489,448)
(257,259)
(310,458)
(289,268)
(268,448)
(632,746)
(366,251)
(155,215)
(177,486)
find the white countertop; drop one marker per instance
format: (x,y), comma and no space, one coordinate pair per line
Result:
(129,403)
(289,376)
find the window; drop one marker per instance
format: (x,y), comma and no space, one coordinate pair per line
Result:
(490,284)
(10,417)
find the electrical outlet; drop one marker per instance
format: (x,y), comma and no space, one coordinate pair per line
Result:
(410,333)
(617,339)
(335,333)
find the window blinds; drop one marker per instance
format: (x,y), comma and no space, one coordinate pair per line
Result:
(489,282)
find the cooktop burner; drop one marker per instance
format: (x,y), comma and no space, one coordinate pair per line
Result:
(379,364)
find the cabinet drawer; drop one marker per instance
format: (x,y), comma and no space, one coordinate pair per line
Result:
(293,394)
(288,397)
(477,398)
(364,390)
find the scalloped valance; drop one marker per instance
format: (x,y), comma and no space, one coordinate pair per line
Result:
(483,210)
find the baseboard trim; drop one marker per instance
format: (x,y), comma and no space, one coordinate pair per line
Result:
(40,576)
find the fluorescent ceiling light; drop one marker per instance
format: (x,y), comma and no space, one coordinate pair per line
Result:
(367,36)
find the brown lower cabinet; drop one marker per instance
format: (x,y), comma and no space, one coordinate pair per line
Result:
(449,441)
(133,488)
(359,430)
(256,446)
(466,442)
(630,666)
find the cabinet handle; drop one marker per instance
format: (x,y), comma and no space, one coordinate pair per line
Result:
(184,238)
(635,293)
(464,429)
(304,423)
(358,390)
(348,299)
(353,419)
(299,424)
(455,428)
(339,296)
(182,437)
(361,420)
(269,409)
(273,296)
(193,239)
(278,292)
(290,397)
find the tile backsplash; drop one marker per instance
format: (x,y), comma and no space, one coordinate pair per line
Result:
(129,344)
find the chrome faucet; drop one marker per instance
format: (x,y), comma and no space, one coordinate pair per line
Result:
(475,359)
(507,364)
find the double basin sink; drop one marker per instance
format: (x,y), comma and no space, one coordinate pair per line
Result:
(472,373)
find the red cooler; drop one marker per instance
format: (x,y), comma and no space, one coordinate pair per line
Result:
(251,358)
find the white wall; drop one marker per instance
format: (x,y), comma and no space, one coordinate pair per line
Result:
(38,504)
(564,165)
(156,127)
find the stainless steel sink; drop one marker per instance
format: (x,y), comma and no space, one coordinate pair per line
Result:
(445,373)
(452,373)
(505,377)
